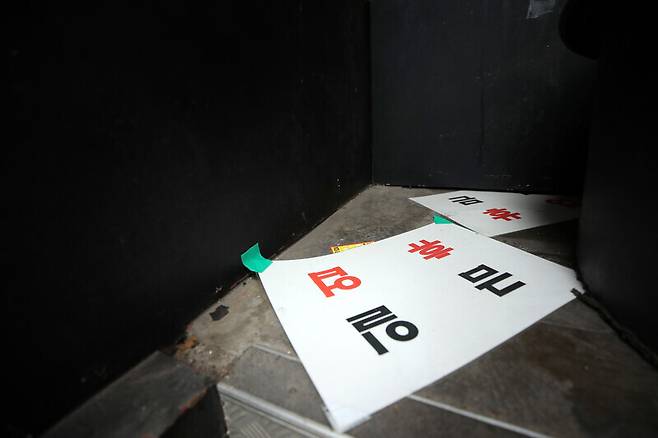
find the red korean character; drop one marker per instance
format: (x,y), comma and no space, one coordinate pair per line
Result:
(502,213)
(344,282)
(430,249)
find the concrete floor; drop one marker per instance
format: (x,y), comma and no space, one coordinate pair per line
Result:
(567,375)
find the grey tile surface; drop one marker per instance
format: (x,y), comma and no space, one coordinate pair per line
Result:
(278,380)
(250,321)
(244,423)
(558,381)
(410,418)
(577,315)
(568,375)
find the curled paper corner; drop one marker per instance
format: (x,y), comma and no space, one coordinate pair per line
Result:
(253,260)
(441,220)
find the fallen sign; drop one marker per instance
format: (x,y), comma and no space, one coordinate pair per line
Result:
(494,213)
(377,323)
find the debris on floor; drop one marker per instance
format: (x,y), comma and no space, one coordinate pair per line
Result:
(220,312)
(187,344)
(346,247)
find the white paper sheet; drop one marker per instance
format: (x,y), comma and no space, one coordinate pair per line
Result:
(456,322)
(494,213)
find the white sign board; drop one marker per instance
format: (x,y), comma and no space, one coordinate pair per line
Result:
(376,323)
(494,213)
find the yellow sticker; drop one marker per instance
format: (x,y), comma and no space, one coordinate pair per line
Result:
(343,248)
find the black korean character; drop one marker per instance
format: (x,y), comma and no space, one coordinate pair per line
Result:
(377,316)
(486,272)
(489,284)
(465,200)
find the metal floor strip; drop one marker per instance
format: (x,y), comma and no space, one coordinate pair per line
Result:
(243,422)
(276,413)
(478,417)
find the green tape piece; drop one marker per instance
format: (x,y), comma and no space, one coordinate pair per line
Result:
(441,220)
(254,261)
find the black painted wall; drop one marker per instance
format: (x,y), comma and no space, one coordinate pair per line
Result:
(618,235)
(152,145)
(477,94)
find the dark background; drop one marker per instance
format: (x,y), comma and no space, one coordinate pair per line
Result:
(618,235)
(151,146)
(474,94)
